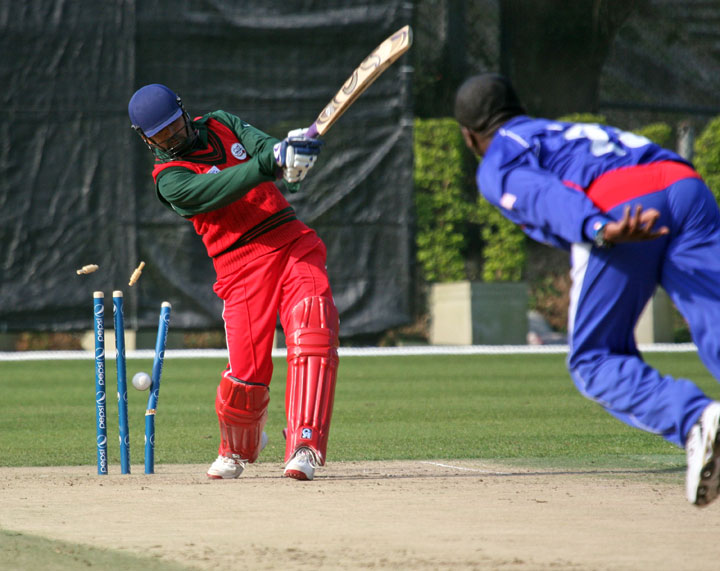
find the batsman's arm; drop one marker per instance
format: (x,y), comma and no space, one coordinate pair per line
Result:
(189,193)
(255,141)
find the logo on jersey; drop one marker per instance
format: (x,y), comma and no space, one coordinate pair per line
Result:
(507,201)
(238,151)
(213,170)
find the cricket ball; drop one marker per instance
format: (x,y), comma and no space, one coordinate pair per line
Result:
(141,381)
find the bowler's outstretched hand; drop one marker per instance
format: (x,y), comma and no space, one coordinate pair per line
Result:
(635,227)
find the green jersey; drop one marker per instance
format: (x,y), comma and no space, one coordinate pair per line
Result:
(189,194)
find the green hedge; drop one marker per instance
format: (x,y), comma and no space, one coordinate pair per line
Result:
(707,156)
(504,251)
(583,118)
(659,133)
(446,213)
(441,210)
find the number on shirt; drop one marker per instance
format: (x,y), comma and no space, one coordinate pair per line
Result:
(600,141)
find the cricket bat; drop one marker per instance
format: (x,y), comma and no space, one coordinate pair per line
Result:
(364,75)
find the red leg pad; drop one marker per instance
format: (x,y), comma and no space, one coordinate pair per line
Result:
(312,341)
(242,412)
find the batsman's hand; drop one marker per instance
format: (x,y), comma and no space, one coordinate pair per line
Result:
(296,155)
(635,227)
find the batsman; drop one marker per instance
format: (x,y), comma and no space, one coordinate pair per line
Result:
(218,172)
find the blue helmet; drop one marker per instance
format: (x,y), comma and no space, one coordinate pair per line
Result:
(152,108)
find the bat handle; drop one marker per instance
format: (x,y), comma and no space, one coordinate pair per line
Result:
(312,131)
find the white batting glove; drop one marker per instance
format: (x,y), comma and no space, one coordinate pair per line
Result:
(293,174)
(294,150)
(296,133)
(296,154)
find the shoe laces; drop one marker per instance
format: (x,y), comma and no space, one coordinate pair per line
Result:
(233,459)
(308,455)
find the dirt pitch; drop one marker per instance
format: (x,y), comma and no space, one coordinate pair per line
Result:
(372,515)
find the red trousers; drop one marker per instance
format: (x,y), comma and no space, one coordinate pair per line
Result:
(253,296)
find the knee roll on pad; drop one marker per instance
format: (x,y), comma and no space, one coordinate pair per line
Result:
(312,341)
(242,412)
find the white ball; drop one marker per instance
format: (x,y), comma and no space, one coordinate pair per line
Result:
(141,381)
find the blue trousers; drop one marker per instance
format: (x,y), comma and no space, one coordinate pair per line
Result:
(611,288)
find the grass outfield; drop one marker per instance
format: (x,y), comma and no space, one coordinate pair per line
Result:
(21,551)
(512,407)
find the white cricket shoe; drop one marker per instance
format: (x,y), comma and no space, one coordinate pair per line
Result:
(703,457)
(228,467)
(302,465)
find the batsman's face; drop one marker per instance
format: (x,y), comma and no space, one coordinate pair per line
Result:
(172,135)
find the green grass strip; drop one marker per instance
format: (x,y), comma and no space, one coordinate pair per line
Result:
(386,408)
(21,551)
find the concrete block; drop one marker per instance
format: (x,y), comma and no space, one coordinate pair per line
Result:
(479,313)
(656,321)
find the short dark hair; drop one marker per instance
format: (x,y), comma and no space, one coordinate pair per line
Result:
(486,101)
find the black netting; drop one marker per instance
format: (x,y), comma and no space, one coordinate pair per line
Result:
(75,185)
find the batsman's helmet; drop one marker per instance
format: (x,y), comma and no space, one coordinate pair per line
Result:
(154,107)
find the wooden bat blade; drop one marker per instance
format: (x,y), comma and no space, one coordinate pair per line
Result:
(364,75)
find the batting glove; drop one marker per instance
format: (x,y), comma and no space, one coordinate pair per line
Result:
(296,154)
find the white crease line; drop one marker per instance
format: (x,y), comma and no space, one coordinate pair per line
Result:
(460,468)
(342,351)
